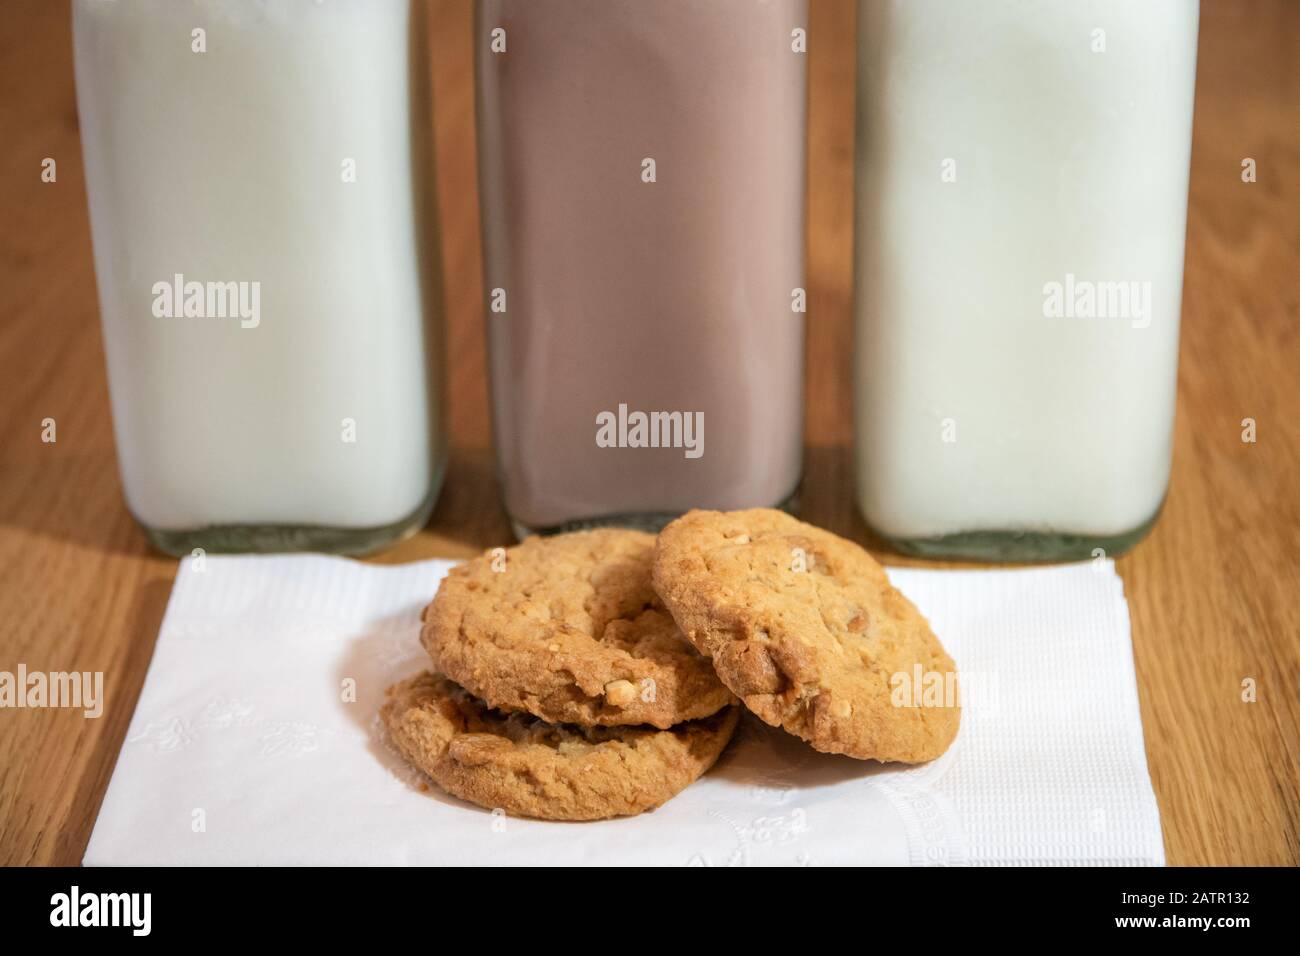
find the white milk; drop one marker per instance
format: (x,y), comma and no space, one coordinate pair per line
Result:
(233,166)
(1014,161)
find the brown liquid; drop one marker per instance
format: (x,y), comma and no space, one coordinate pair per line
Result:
(669,296)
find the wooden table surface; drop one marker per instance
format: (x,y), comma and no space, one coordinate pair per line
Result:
(1214,591)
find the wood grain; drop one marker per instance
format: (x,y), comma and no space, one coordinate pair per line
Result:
(1213,591)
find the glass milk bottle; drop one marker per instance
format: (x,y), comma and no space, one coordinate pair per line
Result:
(1022,198)
(642,177)
(258,196)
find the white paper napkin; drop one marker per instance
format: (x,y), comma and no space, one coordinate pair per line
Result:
(245,746)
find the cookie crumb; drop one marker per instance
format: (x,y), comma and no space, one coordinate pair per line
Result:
(620,693)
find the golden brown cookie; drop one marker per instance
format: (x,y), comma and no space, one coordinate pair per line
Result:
(570,629)
(530,768)
(807,630)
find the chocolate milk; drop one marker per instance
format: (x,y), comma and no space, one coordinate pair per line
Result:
(642,183)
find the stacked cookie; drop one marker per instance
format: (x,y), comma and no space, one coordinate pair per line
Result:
(575,697)
(595,674)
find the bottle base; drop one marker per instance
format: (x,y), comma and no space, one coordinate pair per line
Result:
(289,538)
(650,521)
(1021,546)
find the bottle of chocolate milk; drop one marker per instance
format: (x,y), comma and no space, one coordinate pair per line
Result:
(642,184)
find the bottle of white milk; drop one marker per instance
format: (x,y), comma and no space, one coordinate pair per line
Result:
(1022,200)
(261,214)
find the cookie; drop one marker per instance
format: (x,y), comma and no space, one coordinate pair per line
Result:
(530,768)
(569,629)
(805,627)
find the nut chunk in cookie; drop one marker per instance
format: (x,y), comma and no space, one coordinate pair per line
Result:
(530,768)
(569,629)
(805,627)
